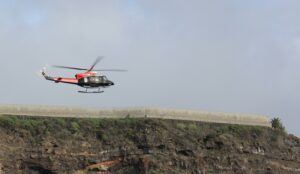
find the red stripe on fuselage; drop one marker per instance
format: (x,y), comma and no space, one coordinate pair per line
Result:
(86,74)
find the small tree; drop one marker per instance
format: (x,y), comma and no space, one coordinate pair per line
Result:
(277,125)
(75,127)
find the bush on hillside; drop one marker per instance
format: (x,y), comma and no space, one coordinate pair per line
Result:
(277,125)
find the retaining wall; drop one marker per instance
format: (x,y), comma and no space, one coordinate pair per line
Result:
(176,114)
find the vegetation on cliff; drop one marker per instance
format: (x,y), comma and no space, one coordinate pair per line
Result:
(131,145)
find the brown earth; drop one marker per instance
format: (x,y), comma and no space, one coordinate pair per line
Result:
(131,145)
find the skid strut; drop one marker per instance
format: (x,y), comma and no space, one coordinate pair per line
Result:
(91,92)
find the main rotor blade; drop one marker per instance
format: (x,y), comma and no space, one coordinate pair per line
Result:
(116,70)
(68,67)
(95,63)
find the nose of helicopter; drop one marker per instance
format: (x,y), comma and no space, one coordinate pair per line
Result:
(111,83)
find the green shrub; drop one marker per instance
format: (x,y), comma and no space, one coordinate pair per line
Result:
(94,122)
(75,127)
(8,121)
(181,125)
(277,125)
(193,127)
(258,130)
(102,136)
(240,130)
(61,121)
(127,121)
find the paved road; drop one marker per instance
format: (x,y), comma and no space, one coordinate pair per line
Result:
(176,114)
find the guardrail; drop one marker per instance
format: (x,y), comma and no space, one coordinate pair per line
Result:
(175,114)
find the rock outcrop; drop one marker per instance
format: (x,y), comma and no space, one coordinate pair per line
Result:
(131,145)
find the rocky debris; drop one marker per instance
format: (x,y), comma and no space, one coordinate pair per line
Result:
(283,167)
(144,146)
(144,163)
(186,152)
(1,169)
(103,166)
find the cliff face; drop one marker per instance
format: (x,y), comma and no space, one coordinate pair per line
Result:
(69,145)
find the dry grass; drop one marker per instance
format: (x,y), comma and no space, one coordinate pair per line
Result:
(174,114)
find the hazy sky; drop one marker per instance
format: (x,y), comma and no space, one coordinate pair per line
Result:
(229,56)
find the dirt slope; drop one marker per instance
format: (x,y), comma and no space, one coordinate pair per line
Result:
(131,145)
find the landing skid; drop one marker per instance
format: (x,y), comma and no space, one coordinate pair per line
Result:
(91,92)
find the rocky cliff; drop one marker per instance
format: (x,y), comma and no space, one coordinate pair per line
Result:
(142,145)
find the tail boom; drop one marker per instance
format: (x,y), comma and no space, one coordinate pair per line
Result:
(60,79)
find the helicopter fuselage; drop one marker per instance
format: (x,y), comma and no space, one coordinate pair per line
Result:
(85,80)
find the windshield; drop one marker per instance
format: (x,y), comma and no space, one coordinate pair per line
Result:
(94,79)
(104,78)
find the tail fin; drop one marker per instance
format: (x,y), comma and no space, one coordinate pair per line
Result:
(44,74)
(41,73)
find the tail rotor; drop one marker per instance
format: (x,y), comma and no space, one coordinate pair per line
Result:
(42,72)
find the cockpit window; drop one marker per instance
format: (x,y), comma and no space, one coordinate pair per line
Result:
(104,78)
(94,79)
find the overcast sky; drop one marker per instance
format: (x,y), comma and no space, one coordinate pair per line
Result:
(225,56)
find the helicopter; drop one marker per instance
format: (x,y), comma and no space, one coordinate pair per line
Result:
(88,79)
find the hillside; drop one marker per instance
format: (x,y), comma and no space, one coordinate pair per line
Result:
(142,145)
